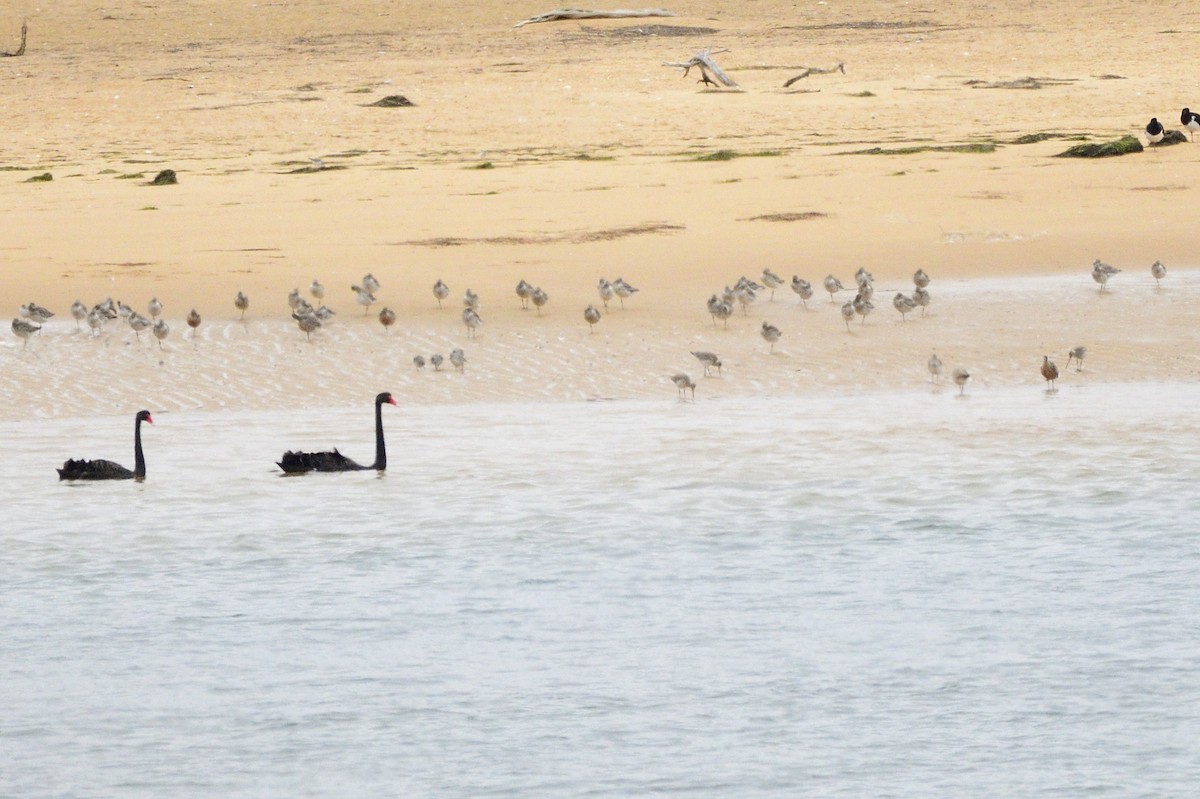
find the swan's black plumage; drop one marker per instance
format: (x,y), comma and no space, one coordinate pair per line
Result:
(108,470)
(301,462)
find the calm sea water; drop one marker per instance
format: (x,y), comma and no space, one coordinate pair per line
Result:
(906,595)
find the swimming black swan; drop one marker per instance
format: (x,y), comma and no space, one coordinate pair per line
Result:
(301,462)
(107,470)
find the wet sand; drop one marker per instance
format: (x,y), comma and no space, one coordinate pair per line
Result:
(591,150)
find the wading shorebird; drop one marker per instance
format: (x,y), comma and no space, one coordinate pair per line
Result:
(524,291)
(1049,372)
(36,313)
(79,311)
(24,330)
(154,307)
(1101,272)
(539,298)
(317,291)
(370,283)
(193,321)
(307,323)
(606,292)
(458,359)
(833,286)
(364,298)
(771,334)
(848,313)
(771,281)
(441,291)
(436,362)
(708,360)
(803,289)
(961,376)
(471,300)
(623,290)
(905,305)
(921,297)
(161,330)
(920,279)
(472,320)
(1158,272)
(683,383)
(591,315)
(935,368)
(419,361)
(387,318)
(241,302)
(862,306)
(1077,355)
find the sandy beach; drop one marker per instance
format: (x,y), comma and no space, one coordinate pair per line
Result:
(563,152)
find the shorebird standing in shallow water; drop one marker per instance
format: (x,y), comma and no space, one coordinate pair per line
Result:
(387,318)
(317,291)
(458,359)
(472,320)
(436,362)
(920,279)
(419,362)
(848,313)
(961,376)
(24,330)
(36,313)
(1158,272)
(833,286)
(606,291)
(307,323)
(904,305)
(1049,372)
(708,360)
(441,291)
(921,297)
(295,300)
(1154,131)
(1101,272)
(623,290)
(1076,354)
(1190,120)
(524,291)
(539,298)
(803,289)
(241,302)
(683,383)
(591,315)
(161,331)
(193,321)
(771,334)
(771,281)
(471,300)
(154,307)
(138,323)
(935,368)
(862,306)
(364,297)
(79,311)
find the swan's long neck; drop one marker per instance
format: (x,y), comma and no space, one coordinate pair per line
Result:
(139,460)
(380,451)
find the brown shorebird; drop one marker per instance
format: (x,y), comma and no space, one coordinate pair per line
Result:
(1049,372)
(241,303)
(387,318)
(193,321)
(961,376)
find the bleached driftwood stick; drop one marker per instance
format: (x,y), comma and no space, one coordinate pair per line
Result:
(840,67)
(581,13)
(21,49)
(703,59)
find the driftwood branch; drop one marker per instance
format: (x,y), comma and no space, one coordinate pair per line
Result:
(21,49)
(703,60)
(580,13)
(840,67)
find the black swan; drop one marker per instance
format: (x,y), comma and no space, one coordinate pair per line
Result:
(301,462)
(107,470)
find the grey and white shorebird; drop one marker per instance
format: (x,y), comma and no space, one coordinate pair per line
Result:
(719,309)
(1154,131)
(833,286)
(370,283)
(921,297)
(79,312)
(363,297)
(1077,354)
(96,320)
(241,302)
(848,313)
(317,290)
(771,281)
(419,361)
(863,276)
(935,368)
(683,383)
(1101,272)
(325,313)
(308,323)
(1158,272)
(23,330)
(472,320)
(387,318)
(709,361)
(161,330)
(606,292)
(441,291)
(745,291)
(591,315)
(294,299)
(539,298)
(458,359)
(154,307)
(920,279)
(1049,372)
(36,313)
(436,362)
(961,376)
(905,305)
(471,300)
(623,291)
(862,306)
(139,323)
(524,291)
(1191,121)
(770,334)
(803,289)
(193,321)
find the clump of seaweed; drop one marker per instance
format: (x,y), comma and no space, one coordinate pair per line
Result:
(165,178)
(1108,149)
(45,177)
(392,101)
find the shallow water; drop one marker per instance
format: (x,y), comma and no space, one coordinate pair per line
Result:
(902,595)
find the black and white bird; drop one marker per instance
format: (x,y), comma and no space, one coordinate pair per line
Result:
(1190,120)
(1154,131)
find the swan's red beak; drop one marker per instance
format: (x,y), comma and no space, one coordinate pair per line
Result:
(391,400)
(150,419)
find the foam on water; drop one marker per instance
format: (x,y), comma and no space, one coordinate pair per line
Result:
(879,594)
